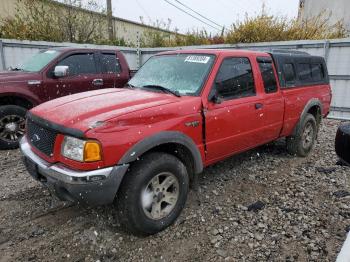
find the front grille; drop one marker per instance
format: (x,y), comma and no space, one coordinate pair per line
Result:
(40,137)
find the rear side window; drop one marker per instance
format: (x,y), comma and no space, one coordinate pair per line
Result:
(317,72)
(304,72)
(268,75)
(80,64)
(110,64)
(235,79)
(289,74)
(301,70)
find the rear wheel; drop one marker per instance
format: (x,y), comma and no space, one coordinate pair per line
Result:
(152,194)
(303,141)
(12,126)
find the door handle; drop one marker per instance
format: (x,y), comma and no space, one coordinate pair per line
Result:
(97,82)
(259,106)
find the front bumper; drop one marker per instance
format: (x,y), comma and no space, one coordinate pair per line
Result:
(97,187)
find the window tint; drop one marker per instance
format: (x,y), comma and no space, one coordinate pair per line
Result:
(235,79)
(317,72)
(110,64)
(79,64)
(301,71)
(289,74)
(268,76)
(304,71)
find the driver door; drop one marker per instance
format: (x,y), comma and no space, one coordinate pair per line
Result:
(82,75)
(234,122)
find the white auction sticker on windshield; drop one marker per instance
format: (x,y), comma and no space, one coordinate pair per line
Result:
(197,59)
(50,52)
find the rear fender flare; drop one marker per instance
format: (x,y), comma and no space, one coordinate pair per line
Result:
(313,102)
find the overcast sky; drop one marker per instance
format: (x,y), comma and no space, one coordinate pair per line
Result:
(222,12)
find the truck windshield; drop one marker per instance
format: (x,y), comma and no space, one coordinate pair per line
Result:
(181,73)
(39,61)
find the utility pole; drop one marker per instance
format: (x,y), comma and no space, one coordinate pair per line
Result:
(110,20)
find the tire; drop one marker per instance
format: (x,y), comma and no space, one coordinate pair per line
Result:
(342,144)
(304,139)
(137,199)
(12,126)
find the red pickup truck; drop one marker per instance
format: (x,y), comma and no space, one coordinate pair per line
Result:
(142,146)
(51,74)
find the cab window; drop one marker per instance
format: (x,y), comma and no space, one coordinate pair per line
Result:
(235,79)
(268,75)
(110,63)
(79,64)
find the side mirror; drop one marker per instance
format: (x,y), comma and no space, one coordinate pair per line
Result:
(61,71)
(215,97)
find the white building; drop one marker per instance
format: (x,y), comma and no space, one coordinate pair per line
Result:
(126,29)
(337,10)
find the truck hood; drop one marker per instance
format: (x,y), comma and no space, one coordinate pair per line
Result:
(17,76)
(82,111)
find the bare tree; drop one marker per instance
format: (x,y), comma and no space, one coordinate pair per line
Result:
(79,23)
(70,20)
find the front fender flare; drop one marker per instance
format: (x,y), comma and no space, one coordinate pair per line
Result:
(164,138)
(32,99)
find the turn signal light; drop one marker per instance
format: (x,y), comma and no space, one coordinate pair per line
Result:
(92,152)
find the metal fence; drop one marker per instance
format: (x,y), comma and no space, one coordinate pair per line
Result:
(336,53)
(15,52)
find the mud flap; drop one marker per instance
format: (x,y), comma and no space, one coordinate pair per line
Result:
(195,183)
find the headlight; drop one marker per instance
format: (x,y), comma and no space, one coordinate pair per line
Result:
(80,150)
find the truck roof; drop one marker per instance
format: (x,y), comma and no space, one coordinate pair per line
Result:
(214,51)
(69,49)
(274,53)
(279,57)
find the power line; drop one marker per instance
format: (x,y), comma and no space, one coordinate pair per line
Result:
(198,14)
(144,10)
(184,11)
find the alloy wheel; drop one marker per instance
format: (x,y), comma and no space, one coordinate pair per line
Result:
(160,196)
(308,135)
(12,128)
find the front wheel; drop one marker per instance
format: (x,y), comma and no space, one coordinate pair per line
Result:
(303,141)
(12,126)
(152,194)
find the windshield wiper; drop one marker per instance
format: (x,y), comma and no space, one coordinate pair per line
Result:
(130,85)
(15,69)
(162,88)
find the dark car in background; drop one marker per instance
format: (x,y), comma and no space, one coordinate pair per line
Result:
(342,143)
(51,74)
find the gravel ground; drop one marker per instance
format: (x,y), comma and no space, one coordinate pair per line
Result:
(263,205)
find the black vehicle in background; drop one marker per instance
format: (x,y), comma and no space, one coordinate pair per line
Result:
(342,143)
